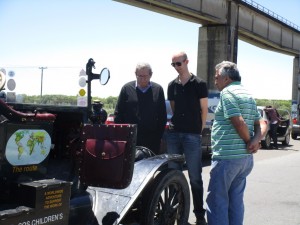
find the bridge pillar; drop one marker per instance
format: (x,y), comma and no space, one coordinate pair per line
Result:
(215,44)
(296,87)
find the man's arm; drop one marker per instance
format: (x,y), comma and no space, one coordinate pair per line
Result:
(241,127)
(162,113)
(204,110)
(172,104)
(119,110)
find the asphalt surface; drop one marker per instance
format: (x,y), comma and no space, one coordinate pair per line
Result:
(272,195)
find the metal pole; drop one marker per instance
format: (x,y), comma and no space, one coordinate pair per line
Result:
(42,68)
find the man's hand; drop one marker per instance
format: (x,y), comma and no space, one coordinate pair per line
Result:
(253,146)
(260,131)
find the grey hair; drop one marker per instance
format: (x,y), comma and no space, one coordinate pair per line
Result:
(229,69)
(143,65)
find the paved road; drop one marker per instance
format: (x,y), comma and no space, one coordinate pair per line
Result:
(272,195)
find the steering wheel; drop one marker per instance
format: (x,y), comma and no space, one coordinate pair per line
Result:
(2,80)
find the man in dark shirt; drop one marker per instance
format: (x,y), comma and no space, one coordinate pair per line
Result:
(274,123)
(142,102)
(188,97)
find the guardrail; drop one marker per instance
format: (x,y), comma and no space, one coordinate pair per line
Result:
(270,13)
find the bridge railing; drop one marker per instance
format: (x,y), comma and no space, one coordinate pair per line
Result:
(270,13)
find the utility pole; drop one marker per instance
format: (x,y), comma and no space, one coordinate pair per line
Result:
(42,68)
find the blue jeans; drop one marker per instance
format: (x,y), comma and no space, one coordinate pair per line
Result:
(189,145)
(225,205)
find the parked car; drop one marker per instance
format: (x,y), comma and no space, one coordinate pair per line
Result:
(296,129)
(283,131)
(110,119)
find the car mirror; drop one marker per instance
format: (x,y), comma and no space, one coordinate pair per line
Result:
(104,76)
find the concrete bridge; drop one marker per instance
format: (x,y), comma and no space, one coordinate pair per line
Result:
(223,23)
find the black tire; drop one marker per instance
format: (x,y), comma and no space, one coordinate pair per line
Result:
(167,200)
(286,140)
(267,142)
(294,136)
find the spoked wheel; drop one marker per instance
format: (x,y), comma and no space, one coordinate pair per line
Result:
(167,202)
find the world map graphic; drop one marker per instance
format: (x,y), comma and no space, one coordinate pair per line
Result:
(27,146)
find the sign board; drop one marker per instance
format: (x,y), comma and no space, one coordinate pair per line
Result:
(82,101)
(213,100)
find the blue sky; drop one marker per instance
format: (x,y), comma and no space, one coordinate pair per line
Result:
(63,34)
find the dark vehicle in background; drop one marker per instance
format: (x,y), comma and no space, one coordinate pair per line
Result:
(296,129)
(283,131)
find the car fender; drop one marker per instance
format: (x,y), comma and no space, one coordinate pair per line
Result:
(112,204)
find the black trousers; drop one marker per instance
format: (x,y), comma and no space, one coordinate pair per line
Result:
(273,133)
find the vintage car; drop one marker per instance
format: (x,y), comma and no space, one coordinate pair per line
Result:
(62,165)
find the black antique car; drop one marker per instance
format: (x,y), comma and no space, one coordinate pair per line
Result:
(63,165)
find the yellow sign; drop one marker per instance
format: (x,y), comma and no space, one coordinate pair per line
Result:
(82,92)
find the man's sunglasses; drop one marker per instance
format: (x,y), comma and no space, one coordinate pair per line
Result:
(176,64)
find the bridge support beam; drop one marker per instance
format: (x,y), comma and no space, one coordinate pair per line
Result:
(216,44)
(296,85)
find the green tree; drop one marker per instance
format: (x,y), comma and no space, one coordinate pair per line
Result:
(278,104)
(111,101)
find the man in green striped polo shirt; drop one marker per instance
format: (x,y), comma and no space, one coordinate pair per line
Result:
(236,134)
